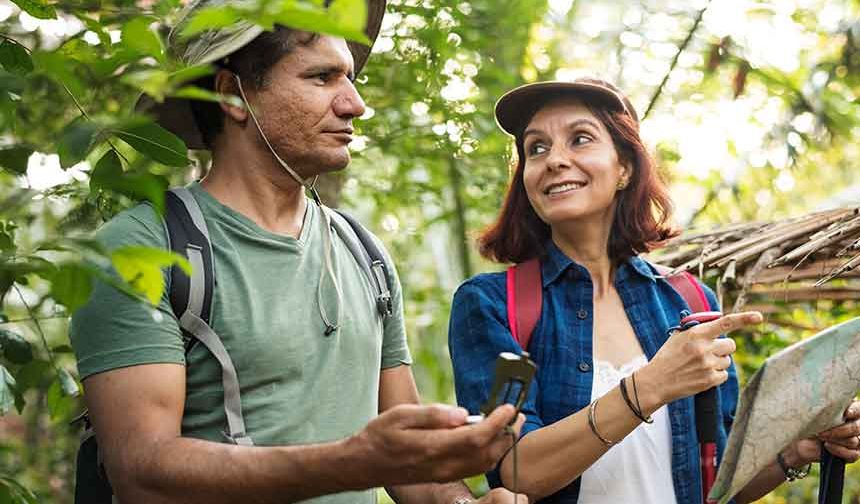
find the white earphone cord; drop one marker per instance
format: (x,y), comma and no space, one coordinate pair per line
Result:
(327,239)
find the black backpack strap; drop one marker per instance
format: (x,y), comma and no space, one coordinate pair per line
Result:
(831,479)
(191,297)
(370,256)
(188,236)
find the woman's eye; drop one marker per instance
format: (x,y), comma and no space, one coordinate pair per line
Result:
(537,148)
(581,139)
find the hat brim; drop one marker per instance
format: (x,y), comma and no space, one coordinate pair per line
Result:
(175,115)
(516,107)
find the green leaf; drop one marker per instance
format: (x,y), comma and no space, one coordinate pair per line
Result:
(68,383)
(60,405)
(196,93)
(14,159)
(12,492)
(76,141)
(108,175)
(141,267)
(137,36)
(16,349)
(190,73)
(59,68)
(37,8)
(210,18)
(156,143)
(71,285)
(347,21)
(7,387)
(7,237)
(152,82)
(33,375)
(15,58)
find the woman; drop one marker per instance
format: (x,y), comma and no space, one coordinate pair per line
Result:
(586,200)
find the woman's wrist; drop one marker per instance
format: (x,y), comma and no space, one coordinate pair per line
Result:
(650,390)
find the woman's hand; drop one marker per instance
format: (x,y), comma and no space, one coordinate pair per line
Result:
(844,440)
(691,361)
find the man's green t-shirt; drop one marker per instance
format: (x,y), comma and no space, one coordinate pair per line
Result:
(297,385)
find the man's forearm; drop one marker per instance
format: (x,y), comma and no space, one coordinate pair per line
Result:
(190,471)
(429,493)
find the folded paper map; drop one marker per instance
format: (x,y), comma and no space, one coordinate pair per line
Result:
(798,392)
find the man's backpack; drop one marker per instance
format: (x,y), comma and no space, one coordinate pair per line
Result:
(525,296)
(191,301)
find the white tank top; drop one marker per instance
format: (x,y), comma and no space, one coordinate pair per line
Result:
(639,468)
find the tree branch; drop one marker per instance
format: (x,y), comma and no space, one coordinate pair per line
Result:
(674,63)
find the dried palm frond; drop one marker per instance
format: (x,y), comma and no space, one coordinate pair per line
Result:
(811,248)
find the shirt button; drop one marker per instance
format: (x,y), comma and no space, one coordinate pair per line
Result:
(582,314)
(584,367)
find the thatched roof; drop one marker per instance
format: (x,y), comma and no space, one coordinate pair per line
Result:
(792,260)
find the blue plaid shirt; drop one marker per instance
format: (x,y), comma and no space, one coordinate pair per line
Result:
(561,346)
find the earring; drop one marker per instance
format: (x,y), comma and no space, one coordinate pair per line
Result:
(622,184)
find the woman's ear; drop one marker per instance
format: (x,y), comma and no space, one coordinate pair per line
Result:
(226,85)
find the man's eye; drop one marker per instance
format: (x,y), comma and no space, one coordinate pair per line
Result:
(323,76)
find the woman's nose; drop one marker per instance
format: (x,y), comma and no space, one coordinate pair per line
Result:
(558,158)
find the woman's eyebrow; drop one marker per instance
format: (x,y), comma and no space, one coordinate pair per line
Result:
(572,125)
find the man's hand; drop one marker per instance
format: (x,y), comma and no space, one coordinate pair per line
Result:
(502,496)
(411,443)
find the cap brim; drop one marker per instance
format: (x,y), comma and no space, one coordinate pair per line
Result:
(517,106)
(175,115)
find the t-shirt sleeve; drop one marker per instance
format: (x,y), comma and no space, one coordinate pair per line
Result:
(395,350)
(113,330)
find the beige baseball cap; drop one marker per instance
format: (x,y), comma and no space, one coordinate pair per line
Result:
(175,114)
(516,107)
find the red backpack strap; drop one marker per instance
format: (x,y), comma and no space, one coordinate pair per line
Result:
(525,299)
(688,287)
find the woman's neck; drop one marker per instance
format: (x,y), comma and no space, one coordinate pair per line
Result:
(587,243)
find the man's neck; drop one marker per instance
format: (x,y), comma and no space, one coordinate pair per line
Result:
(259,189)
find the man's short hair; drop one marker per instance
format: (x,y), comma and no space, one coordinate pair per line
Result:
(252,64)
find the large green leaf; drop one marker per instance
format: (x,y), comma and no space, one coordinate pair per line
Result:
(108,175)
(137,36)
(156,143)
(153,82)
(60,405)
(59,68)
(76,141)
(14,58)
(15,348)
(37,8)
(13,492)
(141,267)
(7,387)
(14,159)
(71,285)
(210,18)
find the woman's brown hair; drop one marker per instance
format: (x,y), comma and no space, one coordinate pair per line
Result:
(642,215)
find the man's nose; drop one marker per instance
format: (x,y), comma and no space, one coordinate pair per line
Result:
(349,103)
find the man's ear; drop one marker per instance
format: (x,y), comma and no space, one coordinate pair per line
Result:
(226,85)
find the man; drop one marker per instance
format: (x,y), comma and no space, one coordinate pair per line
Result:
(315,364)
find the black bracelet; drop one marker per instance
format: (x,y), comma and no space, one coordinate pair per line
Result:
(626,396)
(648,418)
